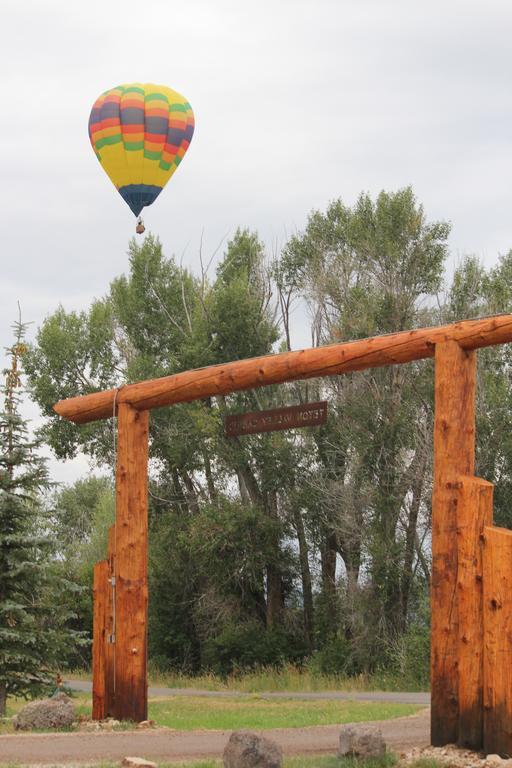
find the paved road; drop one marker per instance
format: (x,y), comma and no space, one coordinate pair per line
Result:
(164,744)
(423,699)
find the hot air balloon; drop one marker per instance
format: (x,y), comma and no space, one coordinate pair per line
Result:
(140,133)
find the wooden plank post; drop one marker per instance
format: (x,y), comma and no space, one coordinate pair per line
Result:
(454,455)
(474,512)
(110,668)
(131,542)
(497,588)
(100,592)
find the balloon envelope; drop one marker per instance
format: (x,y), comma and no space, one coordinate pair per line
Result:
(140,133)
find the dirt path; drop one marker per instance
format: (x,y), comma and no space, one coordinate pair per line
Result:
(400,697)
(165,744)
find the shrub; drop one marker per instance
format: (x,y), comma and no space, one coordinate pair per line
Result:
(249,645)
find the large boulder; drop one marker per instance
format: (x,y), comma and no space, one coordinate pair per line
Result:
(57,712)
(249,750)
(361,742)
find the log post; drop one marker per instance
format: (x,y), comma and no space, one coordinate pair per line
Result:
(110,664)
(100,592)
(131,541)
(474,512)
(454,455)
(497,590)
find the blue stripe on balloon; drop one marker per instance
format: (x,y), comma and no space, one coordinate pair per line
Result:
(156,125)
(95,116)
(138,196)
(109,109)
(175,136)
(132,116)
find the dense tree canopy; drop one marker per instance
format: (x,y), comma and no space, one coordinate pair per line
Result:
(290,545)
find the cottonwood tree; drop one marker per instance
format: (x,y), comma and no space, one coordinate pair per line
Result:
(368,270)
(319,535)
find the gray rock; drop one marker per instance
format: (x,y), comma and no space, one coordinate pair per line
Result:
(347,738)
(249,750)
(361,742)
(57,712)
(60,696)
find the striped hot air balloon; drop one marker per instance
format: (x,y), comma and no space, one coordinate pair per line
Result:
(140,133)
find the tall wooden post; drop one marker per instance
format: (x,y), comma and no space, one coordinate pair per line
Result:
(474,513)
(454,455)
(131,542)
(110,663)
(498,641)
(100,596)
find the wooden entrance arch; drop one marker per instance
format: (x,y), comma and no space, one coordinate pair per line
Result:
(471,659)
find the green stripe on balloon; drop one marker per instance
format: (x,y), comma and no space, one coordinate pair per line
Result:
(107,140)
(156,97)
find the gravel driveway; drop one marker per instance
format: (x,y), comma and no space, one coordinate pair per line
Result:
(164,744)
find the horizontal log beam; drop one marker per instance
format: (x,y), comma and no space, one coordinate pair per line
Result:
(333,359)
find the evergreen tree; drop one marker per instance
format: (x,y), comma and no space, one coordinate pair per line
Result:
(31,635)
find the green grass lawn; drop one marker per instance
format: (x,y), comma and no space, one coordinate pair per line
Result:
(187,713)
(190,712)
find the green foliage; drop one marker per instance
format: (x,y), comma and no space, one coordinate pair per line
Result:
(372,262)
(266,546)
(33,634)
(243,645)
(79,518)
(75,513)
(334,658)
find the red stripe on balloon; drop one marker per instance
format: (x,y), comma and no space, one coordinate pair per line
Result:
(135,128)
(109,122)
(156,138)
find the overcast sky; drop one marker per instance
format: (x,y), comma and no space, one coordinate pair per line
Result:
(296,103)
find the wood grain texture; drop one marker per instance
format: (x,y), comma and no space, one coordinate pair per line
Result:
(100,593)
(131,547)
(110,668)
(221,379)
(474,498)
(454,455)
(497,591)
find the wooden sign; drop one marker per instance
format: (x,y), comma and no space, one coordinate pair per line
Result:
(307,415)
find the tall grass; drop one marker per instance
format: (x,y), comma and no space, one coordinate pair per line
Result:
(267,679)
(288,678)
